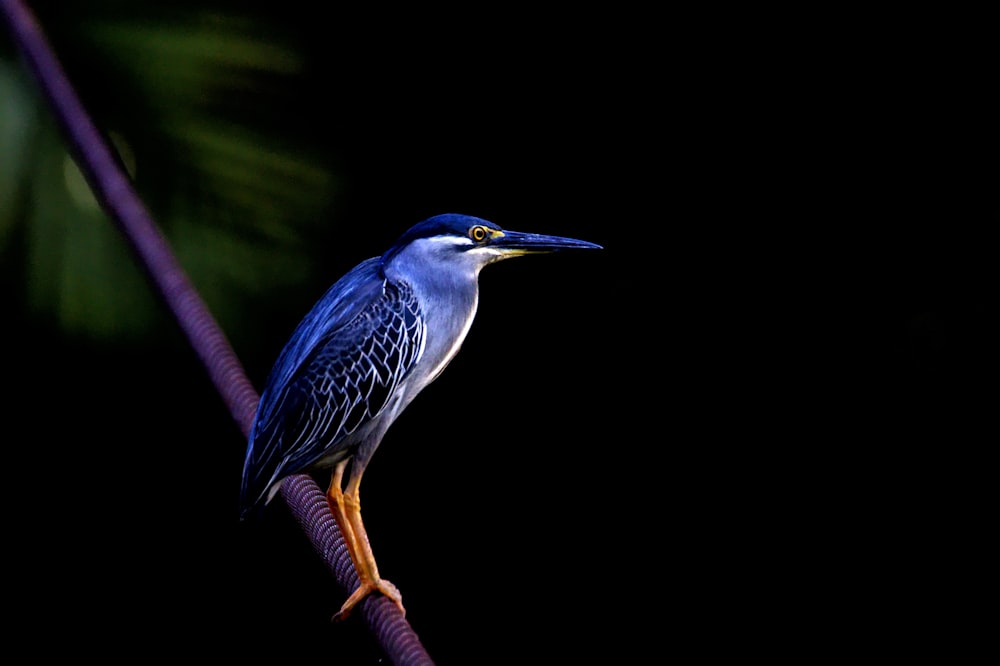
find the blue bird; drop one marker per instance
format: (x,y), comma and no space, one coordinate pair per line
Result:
(375,339)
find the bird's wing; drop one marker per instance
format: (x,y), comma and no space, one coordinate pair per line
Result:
(341,378)
(358,289)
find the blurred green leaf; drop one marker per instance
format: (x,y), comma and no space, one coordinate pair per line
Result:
(197,108)
(79,268)
(18,123)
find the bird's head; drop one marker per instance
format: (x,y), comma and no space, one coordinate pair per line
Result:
(468,241)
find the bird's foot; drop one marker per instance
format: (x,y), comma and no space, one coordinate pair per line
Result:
(364,589)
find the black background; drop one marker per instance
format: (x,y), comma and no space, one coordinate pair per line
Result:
(752,424)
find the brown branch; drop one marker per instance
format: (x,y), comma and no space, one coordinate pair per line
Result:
(119,199)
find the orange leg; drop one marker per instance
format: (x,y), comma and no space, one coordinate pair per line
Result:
(346,509)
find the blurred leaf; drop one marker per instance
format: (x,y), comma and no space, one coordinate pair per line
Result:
(202,54)
(18,122)
(79,267)
(198,109)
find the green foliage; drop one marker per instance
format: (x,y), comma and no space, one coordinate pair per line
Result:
(197,109)
(18,123)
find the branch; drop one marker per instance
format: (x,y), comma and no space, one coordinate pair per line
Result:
(119,199)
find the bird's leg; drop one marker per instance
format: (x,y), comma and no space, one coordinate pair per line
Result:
(335,499)
(352,498)
(346,509)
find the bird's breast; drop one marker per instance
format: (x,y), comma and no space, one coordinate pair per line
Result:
(448,316)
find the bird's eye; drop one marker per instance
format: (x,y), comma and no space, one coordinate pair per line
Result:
(478,233)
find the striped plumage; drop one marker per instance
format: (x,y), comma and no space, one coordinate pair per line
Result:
(324,391)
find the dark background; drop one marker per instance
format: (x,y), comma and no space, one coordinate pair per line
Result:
(752,424)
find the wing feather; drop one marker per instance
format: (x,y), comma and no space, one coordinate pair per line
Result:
(341,379)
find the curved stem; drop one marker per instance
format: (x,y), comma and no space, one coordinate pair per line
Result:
(116,194)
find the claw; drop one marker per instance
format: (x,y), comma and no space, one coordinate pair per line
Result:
(387,589)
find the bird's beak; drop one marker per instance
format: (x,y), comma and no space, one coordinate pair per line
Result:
(515,242)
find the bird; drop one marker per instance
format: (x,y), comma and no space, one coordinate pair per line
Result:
(374,340)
